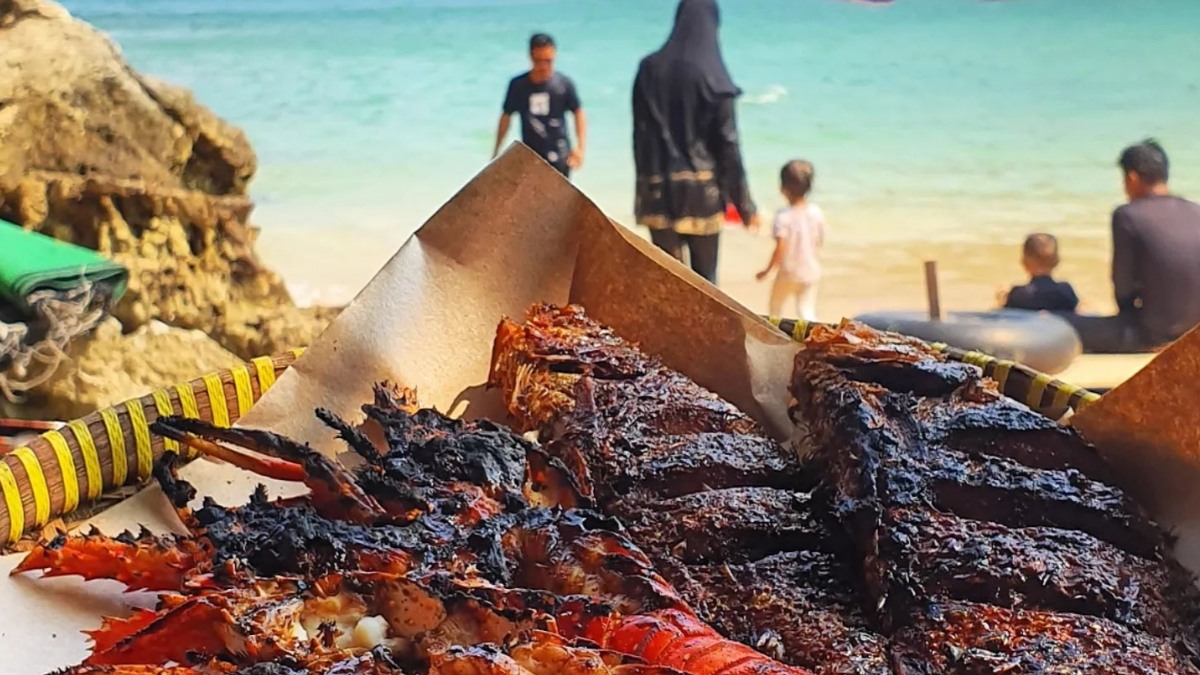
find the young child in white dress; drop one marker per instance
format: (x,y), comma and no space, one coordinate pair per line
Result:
(799,232)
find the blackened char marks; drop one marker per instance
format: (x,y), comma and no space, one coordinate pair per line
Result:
(953,496)
(957,637)
(425,447)
(481,454)
(273,539)
(1002,491)
(733,525)
(853,427)
(661,403)
(932,554)
(282,541)
(1004,428)
(876,451)
(1057,450)
(924,378)
(612,466)
(807,598)
(672,466)
(895,362)
(700,486)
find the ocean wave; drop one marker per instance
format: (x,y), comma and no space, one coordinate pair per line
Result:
(772,94)
(306,294)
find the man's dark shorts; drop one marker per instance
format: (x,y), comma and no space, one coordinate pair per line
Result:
(1110,334)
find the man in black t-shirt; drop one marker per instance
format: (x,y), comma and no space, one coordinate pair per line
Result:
(1156,261)
(543,98)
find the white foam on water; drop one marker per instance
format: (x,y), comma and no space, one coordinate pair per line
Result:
(306,294)
(772,94)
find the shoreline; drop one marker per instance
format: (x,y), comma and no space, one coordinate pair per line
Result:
(328,266)
(302,256)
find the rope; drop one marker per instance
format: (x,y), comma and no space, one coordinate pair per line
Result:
(65,316)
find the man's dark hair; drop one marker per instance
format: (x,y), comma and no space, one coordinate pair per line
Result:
(1147,160)
(540,40)
(796,177)
(1042,249)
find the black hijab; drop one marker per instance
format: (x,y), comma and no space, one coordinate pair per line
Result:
(691,58)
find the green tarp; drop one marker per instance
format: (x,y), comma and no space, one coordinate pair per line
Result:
(31,262)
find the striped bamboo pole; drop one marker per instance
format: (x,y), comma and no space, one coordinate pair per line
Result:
(58,470)
(1048,396)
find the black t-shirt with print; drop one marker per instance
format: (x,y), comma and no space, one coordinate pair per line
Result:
(543,109)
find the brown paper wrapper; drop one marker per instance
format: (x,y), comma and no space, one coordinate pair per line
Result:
(1147,427)
(517,234)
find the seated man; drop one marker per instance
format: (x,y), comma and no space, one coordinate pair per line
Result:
(1155,265)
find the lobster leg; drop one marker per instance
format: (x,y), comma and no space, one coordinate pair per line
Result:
(334,491)
(112,631)
(146,562)
(262,465)
(674,639)
(246,625)
(197,626)
(540,653)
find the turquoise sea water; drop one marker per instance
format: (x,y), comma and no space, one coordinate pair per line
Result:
(928,120)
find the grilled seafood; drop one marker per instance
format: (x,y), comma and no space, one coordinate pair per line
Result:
(305,623)
(261,537)
(142,669)
(991,540)
(449,544)
(965,638)
(401,506)
(680,640)
(537,364)
(504,540)
(931,490)
(937,529)
(540,653)
(725,512)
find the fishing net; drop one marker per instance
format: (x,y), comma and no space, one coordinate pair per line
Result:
(33,344)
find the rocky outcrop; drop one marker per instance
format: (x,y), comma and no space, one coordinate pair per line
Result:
(93,153)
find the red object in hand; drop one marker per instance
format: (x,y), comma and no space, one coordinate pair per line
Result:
(731,215)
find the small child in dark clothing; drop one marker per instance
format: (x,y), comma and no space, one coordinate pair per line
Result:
(1039,258)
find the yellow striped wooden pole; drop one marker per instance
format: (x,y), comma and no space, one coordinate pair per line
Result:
(56,471)
(1050,397)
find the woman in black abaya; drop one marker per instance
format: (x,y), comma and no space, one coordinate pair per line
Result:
(685,141)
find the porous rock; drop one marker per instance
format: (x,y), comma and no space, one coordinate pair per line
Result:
(95,154)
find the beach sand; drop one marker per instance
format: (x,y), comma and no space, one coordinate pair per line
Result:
(324,267)
(329,267)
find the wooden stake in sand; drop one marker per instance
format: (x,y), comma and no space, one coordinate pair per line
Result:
(931,290)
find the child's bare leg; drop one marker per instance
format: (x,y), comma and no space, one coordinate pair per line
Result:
(780,291)
(806,302)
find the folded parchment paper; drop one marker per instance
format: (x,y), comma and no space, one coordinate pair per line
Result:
(517,234)
(1149,428)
